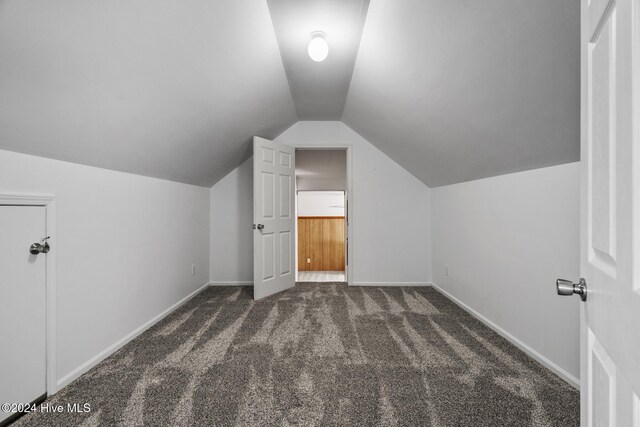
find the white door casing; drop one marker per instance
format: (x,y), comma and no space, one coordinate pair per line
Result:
(610,317)
(273,217)
(23,307)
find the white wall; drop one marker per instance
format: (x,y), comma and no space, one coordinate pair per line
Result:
(320,203)
(391,213)
(506,239)
(231,232)
(124,247)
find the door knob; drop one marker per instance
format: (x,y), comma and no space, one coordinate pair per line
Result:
(259,226)
(39,248)
(567,287)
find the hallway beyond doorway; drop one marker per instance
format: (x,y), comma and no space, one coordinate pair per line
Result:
(321,276)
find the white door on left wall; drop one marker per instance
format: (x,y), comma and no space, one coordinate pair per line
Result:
(22,306)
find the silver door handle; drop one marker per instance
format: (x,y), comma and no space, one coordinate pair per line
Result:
(259,226)
(567,287)
(40,248)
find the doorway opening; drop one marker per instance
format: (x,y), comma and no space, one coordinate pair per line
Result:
(321,215)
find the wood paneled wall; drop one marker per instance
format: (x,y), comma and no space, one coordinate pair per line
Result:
(321,243)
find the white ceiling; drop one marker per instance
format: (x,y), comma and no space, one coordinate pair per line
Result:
(460,90)
(452,91)
(321,170)
(319,89)
(164,88)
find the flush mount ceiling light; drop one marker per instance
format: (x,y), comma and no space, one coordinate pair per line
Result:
(318,47)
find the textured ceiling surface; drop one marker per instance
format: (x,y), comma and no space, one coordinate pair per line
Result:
(461,90)
(452,91)
(163,88)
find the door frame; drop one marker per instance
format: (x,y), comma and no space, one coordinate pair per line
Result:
(348,207)
(49,203)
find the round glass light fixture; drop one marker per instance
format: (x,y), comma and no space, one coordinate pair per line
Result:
(318,47)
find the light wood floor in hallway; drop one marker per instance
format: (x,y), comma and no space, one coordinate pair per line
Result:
(321,276)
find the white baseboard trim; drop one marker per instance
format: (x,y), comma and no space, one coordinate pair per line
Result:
(68,379)
(391,284)
(230,283)
(573,381)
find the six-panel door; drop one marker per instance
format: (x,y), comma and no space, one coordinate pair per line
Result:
(274,217)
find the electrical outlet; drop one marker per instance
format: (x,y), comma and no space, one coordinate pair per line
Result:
(308,260)
(446,270)
(193,269)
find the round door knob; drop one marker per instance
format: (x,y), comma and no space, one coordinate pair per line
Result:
(567,287)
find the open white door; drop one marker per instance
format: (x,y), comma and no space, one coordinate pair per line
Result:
(273,217)
(610,316)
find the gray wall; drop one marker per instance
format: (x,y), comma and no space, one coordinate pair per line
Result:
(231,232)
(505,240)
(391,210)
(124,248)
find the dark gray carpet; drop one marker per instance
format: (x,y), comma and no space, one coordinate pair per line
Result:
(319,354)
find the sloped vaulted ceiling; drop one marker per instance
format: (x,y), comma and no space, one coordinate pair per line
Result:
(319,89)
(465,89)
(164,88)
(451,90)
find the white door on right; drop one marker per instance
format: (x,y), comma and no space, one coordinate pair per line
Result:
(610,317)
